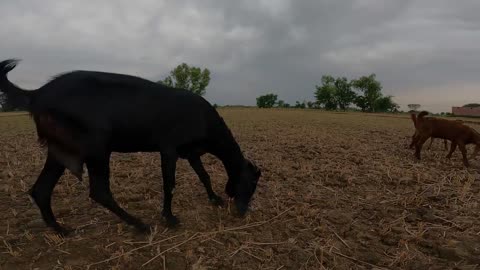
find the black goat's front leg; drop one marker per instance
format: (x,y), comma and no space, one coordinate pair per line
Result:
(41,192)
(99,174)
(197,165)
(169,166)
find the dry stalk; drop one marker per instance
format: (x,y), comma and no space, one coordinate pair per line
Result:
(316,258)
(248,253)
(398,219)
(237,250)
(196,235)
(340,238)
(135,249)
(267,243)
(357,260)
(167,250)
(448,221)
(251,225)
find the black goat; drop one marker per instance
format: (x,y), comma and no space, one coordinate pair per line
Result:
(84,116)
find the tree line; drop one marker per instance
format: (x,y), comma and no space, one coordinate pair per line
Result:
(340,94)
(363,93)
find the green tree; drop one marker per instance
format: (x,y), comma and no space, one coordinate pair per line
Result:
(471,105)
(386,104)
(266,101)
(326,93)
(361,102)
(371,89)
(3,102)
(9,104)
(414,107)
(281,104)
(344,93)
(189,78)
(300,105)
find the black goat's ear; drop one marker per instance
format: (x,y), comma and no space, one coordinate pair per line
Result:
(251,165)
(256,169)
(258,173)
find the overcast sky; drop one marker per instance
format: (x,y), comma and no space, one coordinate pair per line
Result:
(425,51)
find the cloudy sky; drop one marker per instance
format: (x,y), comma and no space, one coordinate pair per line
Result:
(424,51)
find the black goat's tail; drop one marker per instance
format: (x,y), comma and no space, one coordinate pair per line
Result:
(16,97)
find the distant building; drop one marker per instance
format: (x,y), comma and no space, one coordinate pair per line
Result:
(466,111)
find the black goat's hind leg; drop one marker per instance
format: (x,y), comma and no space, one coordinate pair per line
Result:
(73,163)
(41,192)
(197,165)
(99,173)
(169,165)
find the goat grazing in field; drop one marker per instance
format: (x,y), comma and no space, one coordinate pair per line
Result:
(84,116)
(454,131)
(412,144)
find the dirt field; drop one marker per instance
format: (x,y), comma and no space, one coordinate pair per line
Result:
(338,191)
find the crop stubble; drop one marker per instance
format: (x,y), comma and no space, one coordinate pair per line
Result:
(337,191)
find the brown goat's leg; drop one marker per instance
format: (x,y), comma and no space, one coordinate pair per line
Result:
(453,147)
(418,146)
(445,144)
(169,165)
(197,165)
(431,141)
(475,152)
(412,143)
(463,149)
(41,192)
(414,140)
(99,173)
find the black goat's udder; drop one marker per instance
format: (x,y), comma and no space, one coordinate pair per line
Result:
(72,162)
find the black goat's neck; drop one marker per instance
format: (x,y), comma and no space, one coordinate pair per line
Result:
(231,156)
(226,148)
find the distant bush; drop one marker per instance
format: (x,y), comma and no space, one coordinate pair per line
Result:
(471,105)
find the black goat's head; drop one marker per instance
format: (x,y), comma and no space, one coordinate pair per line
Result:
(243,186)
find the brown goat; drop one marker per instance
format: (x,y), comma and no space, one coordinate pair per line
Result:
(454,131)
(412,144)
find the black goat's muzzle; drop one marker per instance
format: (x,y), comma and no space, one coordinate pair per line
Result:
(242,208)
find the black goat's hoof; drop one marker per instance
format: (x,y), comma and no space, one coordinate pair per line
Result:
(217,201)
(62,231)
(142,227)
(172,222)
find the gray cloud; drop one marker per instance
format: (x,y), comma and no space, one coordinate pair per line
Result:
(422,51)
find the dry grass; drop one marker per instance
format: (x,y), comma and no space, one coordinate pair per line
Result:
(339,191)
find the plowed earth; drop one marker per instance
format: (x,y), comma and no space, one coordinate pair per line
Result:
(338,191)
